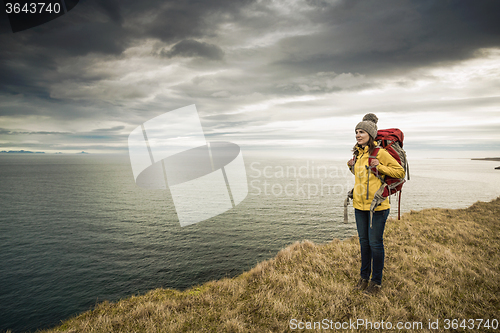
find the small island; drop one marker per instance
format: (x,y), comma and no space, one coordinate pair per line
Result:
(488,159)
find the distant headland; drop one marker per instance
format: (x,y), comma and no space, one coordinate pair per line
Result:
(34,152)
(488,159)
(21,152)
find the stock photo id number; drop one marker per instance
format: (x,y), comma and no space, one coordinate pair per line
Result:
(24,15)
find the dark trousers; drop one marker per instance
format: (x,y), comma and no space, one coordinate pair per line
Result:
(372,243)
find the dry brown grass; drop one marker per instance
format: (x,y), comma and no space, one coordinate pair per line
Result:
(440,264)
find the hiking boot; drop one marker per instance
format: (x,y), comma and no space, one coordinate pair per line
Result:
(372,289)
(362,284)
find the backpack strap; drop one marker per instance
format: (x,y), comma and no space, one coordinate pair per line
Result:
(350,193)
(374,169)
(354,158)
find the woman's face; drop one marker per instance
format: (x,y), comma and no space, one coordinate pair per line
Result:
(362,137)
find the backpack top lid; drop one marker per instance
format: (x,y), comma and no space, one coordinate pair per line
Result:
(393,134)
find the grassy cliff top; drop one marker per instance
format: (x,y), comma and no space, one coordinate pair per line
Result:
(440,264)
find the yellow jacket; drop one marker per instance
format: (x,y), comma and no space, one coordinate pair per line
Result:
(387,166)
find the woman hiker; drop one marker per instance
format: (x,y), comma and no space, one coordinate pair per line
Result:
(371,235)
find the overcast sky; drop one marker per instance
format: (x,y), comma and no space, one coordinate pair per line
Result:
(285,76)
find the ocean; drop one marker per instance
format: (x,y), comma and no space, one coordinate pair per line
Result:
(75,230)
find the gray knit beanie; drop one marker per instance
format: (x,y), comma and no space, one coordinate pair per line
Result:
(369,124)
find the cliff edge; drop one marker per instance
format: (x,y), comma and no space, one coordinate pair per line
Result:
(441,264)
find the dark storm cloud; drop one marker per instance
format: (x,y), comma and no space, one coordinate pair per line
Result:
(193,48)
(393,35)
(84,38)
(172,21)
(355,36)
(28,58)
(112,9)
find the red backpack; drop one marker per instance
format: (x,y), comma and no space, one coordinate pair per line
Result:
(391,140)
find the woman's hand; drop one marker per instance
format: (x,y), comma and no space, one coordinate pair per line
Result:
(351,162)
(374,162)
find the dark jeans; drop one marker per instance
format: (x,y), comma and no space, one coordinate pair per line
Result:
(372,243)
